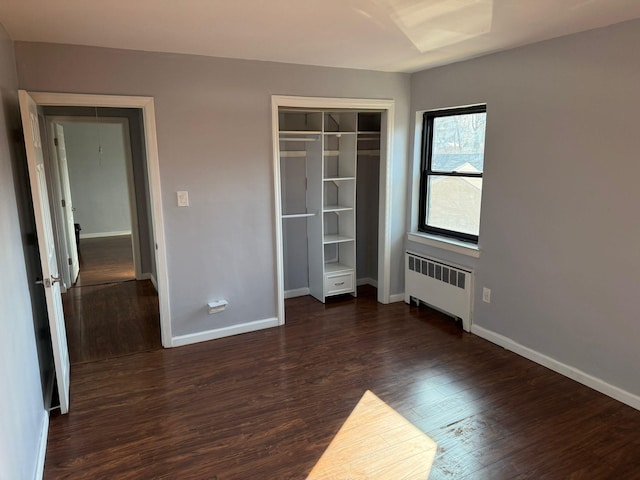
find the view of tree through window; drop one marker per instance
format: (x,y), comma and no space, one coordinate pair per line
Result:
(452,167)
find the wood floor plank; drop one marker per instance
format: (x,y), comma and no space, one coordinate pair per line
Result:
(267,404)
(105,260)
(107,313)
(110,320)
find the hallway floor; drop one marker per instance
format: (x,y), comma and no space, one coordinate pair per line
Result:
(108,313)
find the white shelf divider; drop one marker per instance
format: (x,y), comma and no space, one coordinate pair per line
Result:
(335,267)
(337,239)
(336,208)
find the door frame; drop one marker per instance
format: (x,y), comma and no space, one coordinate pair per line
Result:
(387,107)
(146,104)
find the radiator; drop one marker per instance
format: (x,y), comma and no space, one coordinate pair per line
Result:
(445,287)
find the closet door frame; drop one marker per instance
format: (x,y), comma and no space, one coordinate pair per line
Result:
(387,107)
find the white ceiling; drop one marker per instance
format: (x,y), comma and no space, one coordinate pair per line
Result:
(388,35)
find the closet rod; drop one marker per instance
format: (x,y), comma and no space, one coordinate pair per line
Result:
(293,139)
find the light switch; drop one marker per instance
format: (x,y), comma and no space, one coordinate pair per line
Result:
(183,198)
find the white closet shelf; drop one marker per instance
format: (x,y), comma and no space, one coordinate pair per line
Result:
(340,133)
(337,239)
(299,139)
(300,132)
(331,153)
(298,215)
(338,179)
(293,154)
(336,208)
(368,152)
(336,267)
(363,133)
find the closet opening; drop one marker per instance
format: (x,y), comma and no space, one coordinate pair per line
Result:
(331,166)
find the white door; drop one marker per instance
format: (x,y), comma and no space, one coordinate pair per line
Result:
(67,203)
(46,243)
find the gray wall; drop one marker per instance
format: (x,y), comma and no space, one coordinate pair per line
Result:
(23,414)
(99,188)
(214,138)
(560,229)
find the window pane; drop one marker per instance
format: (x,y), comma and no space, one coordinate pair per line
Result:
(458,143)
(454,203)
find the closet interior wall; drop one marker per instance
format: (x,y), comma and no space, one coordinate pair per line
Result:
(368,198)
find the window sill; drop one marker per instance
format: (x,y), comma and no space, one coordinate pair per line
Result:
(445,243)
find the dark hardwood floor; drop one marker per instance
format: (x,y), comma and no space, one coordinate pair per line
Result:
(108,313)
(111,320)
(265,405)
(105,260)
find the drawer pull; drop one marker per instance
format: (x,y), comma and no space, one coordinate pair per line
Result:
(338,284)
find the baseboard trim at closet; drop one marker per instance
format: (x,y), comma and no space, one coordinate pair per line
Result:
(297,292)
(398,297)
(367,281)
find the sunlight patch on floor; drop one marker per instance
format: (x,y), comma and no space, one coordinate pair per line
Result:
(376,442)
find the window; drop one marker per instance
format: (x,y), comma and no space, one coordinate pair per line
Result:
(451,172)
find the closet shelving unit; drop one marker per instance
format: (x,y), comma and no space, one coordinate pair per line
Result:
(339,202)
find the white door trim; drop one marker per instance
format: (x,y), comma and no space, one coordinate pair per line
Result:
(146,104)
(384,229)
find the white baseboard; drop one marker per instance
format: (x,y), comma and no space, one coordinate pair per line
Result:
(367,281)
(296,292)
(398,297)
(224,332)
(42,446)
(153,281)
(105,234)
(566,370)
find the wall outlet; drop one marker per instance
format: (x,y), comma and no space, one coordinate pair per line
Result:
(217,306)
(486,295)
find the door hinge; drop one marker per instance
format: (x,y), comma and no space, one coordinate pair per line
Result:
(64,204)
(55,142)
(69,261)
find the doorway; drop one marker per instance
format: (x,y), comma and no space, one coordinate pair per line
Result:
(110,303)
(31,104)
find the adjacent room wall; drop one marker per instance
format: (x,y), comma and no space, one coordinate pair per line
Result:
(214,138)
(23,421)
(99,187)
(559,231)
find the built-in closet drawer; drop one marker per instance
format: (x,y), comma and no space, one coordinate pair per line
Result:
(338,283)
